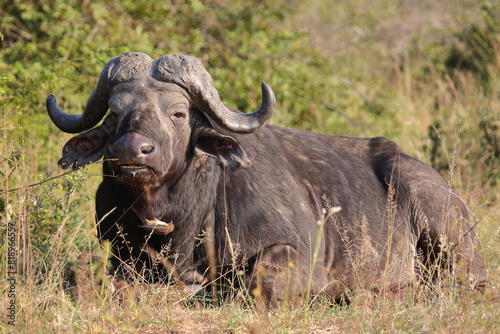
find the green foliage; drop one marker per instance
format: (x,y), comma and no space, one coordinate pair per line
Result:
(479,42)
(489,151)
(434,151)
(50,209)
(472,61)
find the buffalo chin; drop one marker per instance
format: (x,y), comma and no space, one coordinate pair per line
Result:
(136,177)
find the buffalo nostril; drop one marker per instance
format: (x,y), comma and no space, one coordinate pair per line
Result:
(133,145)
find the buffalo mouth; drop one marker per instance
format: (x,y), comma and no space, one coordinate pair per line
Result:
(133,169)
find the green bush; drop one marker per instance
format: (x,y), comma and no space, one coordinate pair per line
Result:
(472,61)
(478,43)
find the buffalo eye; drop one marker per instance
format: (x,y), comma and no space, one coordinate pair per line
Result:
(178,111)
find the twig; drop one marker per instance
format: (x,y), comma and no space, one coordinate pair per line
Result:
(332,108)
(36,184)
(49,179)
(476,222)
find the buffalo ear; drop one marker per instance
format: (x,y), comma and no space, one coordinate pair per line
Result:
(225,149)
(87,147)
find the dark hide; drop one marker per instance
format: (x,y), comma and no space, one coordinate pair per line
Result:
(255,201)
(278,201)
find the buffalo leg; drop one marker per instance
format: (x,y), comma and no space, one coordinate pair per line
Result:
(281,275)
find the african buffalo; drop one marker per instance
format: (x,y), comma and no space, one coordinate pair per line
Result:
(211,190)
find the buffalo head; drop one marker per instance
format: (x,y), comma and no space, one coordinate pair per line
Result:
(157,120)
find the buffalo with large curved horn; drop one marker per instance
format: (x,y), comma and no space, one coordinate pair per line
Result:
(234,197)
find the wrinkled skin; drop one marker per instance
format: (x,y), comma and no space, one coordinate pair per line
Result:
(255,199)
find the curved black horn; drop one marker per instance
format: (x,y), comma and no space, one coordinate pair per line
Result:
(243,123)
(92,114)
(189,73)
(118,69)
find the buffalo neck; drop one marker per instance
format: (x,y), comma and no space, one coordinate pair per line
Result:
(187,203)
